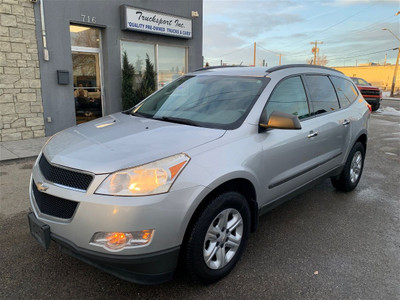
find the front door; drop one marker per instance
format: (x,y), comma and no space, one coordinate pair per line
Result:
(87,79)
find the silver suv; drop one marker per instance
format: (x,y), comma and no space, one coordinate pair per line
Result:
(186,173)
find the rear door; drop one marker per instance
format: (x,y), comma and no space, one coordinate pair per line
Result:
(333,126)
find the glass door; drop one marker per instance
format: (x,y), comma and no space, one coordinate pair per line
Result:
(87,86)
(87,79)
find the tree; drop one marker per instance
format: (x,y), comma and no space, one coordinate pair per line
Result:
(321,60)
(139,64)
(148,84)
(128,73)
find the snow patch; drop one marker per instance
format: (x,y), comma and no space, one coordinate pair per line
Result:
(390,153)
(388,111)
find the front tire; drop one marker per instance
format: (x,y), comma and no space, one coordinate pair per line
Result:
(217,238)
(351,174)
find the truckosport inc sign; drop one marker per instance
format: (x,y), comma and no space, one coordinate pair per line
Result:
(138,19)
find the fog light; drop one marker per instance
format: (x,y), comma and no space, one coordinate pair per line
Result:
(116,241)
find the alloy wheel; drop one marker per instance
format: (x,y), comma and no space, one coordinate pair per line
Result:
(223,238)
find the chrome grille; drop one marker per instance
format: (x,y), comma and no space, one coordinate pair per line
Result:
(63,176)
(370,92)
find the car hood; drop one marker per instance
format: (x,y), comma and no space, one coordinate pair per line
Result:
(122,141)
(367,87)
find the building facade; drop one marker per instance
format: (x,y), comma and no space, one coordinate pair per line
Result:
(79,50)
(21,110)
(378,75)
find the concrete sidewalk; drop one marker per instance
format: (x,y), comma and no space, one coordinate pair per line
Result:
(21,149)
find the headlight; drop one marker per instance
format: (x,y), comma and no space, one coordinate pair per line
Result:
(152,178)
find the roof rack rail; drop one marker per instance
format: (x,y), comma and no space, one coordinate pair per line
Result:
(277,68)
(217,67)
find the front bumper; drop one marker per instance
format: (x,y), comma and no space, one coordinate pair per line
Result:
(152,268)
(372,100)
(167,214)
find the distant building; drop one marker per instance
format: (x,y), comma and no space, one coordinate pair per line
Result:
(378,75)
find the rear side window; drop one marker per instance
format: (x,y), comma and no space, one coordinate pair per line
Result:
(322,93)
(289,97)
(345,90)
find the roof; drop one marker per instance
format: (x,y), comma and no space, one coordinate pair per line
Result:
(257,71)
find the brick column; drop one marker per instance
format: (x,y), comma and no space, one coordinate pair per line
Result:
(21,110)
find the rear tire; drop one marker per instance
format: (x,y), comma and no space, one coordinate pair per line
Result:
(217,238)
(352,171)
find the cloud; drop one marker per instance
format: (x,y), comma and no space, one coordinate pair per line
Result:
(359,2)
(347,27)
(219,39)
(252,26)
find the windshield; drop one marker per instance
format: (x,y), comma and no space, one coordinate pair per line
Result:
(204,100)
(359,81)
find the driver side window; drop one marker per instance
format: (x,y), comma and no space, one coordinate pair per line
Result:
(289,97)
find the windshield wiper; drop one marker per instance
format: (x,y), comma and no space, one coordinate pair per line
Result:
(136,114)
(178,120)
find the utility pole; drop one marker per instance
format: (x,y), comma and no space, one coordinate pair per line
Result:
(280,58)
(315,49)
(385,59)
(397,61)
(395,73)
(254,60)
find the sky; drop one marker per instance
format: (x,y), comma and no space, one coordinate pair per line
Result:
(351,31)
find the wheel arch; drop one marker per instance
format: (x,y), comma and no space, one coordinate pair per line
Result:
(363,139)
(240,185)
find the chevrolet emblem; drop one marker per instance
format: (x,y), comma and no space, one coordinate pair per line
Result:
(41,187)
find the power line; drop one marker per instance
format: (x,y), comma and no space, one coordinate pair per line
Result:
(365,54)
(342,21)
(376,25)
(351,53)
(274,52)
(236,50)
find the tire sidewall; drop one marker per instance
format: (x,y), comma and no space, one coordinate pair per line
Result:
(196,261)
(349,184)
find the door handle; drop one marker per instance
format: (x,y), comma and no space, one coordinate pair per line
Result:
(312,134)
(346,122)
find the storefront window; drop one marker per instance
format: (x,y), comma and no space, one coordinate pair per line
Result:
(84,36)
(171,61)
(137,53)
(171,64)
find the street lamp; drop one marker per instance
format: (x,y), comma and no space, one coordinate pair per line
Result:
(397,62)
(391,33)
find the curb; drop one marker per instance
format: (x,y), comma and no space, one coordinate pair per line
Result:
(11,160)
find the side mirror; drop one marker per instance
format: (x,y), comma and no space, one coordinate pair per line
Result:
(280,120)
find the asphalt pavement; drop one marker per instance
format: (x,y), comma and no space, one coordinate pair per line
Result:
(323,244)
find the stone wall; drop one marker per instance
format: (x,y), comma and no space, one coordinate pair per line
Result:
(21,110)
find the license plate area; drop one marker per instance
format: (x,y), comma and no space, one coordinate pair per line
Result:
(39,230)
